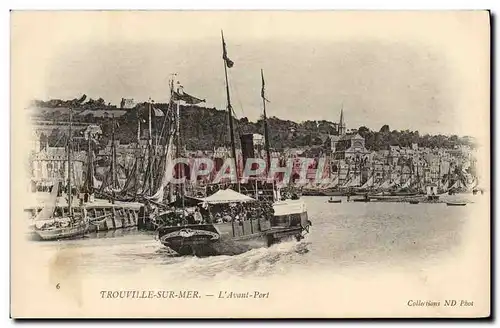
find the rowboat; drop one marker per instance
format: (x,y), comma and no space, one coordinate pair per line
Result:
(363,200)
(456,203)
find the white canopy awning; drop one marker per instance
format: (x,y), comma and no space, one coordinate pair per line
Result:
(289,206)
(227,196)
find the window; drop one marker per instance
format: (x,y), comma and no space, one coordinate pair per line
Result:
(50,170)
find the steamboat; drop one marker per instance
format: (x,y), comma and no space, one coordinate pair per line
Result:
(230,222)
(237,233)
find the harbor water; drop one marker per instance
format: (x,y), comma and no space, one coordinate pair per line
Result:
(343,235)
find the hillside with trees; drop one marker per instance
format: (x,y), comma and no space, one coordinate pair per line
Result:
(207,128)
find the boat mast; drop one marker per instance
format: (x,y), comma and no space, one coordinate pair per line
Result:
(373,176)
(419,185)
(70,200)
(90,174)
(177,135)
(266,131)
(150,144)
(449,173)
(180,169)
(230,115)
(113,153)
(138,151)
(138,128)
(439,173)
(170,135)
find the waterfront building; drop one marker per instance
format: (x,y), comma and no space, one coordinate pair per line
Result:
(51,164)
(351,146)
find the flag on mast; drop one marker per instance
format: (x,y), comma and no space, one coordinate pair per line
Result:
(229,62)
(262,92)
(187,98)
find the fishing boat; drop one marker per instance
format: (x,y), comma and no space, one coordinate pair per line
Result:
(100,214)
(232,222)
(334,201)
(413,201)
(62,228)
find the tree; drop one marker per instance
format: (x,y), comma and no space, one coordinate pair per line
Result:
(385,129)
(327,144)
(206,128)
(363,131)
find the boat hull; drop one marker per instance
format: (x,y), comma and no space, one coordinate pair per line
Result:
(456,204)
(360,200)
(223,238)
(62,233)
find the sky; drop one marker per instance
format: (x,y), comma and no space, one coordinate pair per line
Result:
(427,72)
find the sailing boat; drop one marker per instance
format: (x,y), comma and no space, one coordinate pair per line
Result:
(57,222)
(234,223)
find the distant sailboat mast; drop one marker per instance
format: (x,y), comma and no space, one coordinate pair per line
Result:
(90,169)
(150,145)
(138,153)
(70,196)
(114,182)
(439,173)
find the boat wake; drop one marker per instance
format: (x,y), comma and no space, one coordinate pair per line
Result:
(260,262)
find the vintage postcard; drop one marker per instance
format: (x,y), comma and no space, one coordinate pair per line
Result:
(250,164)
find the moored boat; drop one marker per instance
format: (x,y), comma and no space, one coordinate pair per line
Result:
(361,200)
(55,222)
(62,228)
(456,203)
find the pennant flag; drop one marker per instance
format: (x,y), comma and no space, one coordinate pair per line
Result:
(158,112)
(229,62)
(187,98)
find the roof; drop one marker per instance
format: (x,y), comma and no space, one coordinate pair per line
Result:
(351,136)
(227,196)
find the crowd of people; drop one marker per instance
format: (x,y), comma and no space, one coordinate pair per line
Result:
(220,213)
(239,212)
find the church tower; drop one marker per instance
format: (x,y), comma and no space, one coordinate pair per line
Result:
(342,129)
